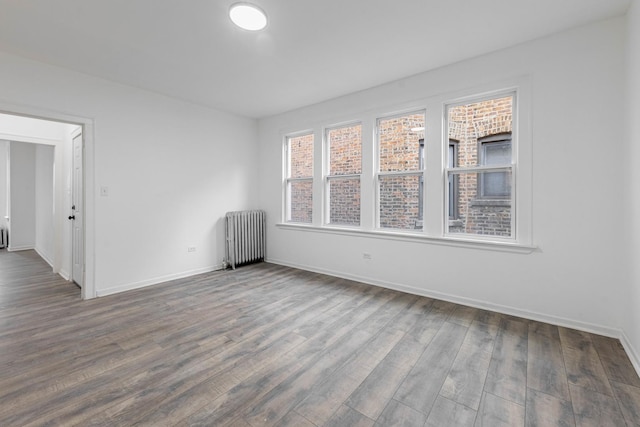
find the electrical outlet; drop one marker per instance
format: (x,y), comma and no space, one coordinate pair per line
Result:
(366,255)
(191,249)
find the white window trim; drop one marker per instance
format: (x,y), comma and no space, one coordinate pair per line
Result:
(481,168)
(434,228)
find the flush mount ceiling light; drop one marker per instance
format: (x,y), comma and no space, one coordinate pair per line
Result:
(248,16)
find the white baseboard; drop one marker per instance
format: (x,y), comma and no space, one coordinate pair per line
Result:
(486,305)
(20,248)
(155,281)
(44,257)
(65,274)
(632,352)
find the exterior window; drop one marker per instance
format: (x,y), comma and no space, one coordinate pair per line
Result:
(480,184)
(299,182)
(344,147)
(494,151)
(400,173)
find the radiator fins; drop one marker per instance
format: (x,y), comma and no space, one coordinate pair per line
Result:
(245,237)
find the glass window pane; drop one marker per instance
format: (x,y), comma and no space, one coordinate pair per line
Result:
(496,184)
(300,201)
(399,142)
(344,201)
(477,216)
(497,153)
(301,156)
(470,123)
(400,202)
(345,150)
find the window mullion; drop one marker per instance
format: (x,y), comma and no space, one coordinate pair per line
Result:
(318,182)
(434,161)
(367,183)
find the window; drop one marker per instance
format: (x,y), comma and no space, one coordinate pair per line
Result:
(495,150)
(400,171)
(480,184)
(344,147)
(299,182)
(449,169)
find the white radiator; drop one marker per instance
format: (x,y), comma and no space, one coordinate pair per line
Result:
(245,235)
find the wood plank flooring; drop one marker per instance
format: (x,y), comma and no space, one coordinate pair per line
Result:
(267,345)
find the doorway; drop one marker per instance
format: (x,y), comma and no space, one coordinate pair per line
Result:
(64,136)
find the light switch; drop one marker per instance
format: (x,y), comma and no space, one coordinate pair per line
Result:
(104,191)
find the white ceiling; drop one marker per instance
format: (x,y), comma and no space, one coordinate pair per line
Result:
(310,51)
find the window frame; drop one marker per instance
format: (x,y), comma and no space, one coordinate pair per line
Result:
(420,172)
(288,179)
(480,168)
(328,177)
(484,142)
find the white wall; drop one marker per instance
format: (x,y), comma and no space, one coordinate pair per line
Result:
(172,170)
(44,196)
(22,208)
(4,158)
(576,277)
(632,312)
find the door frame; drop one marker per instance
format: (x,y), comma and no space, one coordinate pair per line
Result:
(87,124)
(75,134)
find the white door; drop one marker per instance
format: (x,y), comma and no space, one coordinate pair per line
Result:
(77,212)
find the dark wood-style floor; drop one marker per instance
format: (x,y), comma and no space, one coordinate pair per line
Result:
(269,345)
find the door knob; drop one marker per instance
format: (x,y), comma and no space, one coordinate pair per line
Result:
(72,217)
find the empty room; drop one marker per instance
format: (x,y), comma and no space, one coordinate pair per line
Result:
(332,213)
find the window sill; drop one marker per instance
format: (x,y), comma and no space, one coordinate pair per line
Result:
(412,236)
(456,223)
(492,202)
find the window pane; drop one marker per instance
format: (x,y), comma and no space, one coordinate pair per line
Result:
(344,201)
(399,142)
(301,156)
(496,184)
(473,123)
(400,202)
(345,150)
(497,153)
(474,215)
(300,201)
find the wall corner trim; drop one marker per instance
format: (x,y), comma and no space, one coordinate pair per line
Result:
(632,352)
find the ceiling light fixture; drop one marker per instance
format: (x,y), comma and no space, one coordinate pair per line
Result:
(248,16)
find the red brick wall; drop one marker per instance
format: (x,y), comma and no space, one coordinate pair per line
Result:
(300,166)
(399,151)
(345,158)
